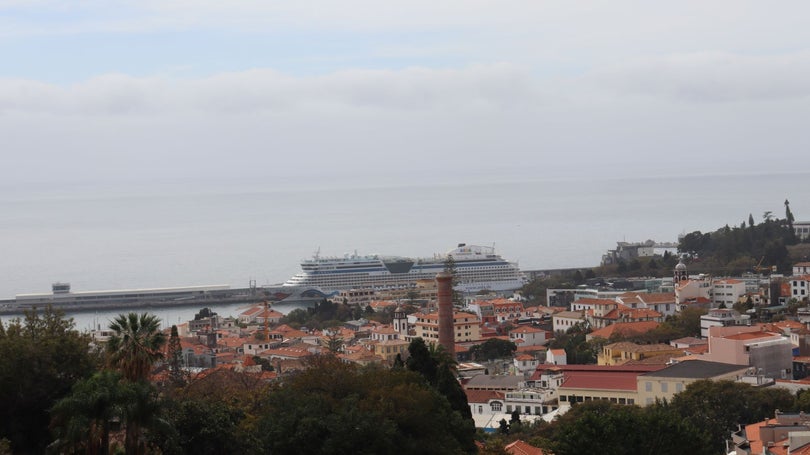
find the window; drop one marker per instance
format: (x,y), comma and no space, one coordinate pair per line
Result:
(678,387)
(496,406)
(648,386)
(664,387)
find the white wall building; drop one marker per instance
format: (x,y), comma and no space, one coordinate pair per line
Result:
(564,320)
(727,292)
(800,287)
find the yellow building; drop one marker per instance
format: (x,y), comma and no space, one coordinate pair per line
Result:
(388,349)
(664,384)
(623,352)
(467,327)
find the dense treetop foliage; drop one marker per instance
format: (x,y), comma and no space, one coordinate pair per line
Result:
(41,357)
(335,408)
(746,246)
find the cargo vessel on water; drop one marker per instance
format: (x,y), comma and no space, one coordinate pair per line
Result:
(477,268)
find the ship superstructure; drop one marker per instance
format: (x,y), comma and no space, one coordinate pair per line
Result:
(477,268)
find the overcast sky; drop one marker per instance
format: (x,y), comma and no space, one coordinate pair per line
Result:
(369,90)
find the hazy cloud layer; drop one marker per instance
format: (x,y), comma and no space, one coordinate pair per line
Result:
(362,90)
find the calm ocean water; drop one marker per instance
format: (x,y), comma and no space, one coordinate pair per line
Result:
(112,238)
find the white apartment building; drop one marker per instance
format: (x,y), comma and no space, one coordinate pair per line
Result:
(727,292)
(800,287)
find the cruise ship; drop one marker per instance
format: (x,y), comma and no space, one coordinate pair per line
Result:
(477,268)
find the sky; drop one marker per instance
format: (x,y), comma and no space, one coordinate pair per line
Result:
(363,91)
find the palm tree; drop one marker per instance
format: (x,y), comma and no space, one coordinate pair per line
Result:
(83,418)
(136,344)
(141,410)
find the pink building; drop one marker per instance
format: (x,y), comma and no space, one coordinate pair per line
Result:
(769,354)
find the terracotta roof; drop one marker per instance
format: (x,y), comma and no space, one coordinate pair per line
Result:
(522,448)
(750,335)
(602,380)
(624,329)
(658,297)
(483,396)
(753,436)
(557,352)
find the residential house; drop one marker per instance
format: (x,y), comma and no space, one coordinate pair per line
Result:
(507,310)
(661,302)
(564,320)
(556,357)
(525,364)
(801,268)
(786,433)
(605,314)
(800,287)
(527,335)
(624,352)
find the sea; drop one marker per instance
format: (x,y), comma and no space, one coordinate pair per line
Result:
(165,234)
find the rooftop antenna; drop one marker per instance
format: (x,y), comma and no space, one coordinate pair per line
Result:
(317,253)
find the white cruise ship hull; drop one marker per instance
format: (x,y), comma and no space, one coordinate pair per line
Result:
(477,268)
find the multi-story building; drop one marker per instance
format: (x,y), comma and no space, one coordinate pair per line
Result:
(467,326)
(662,302)
(802,229)
(527,335)
(663,384)
(564,320)
(767,354)
(721,317)
(800,287)
(727,292)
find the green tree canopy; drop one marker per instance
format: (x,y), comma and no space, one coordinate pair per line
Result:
(335,408)
(41,357)
(493,348)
